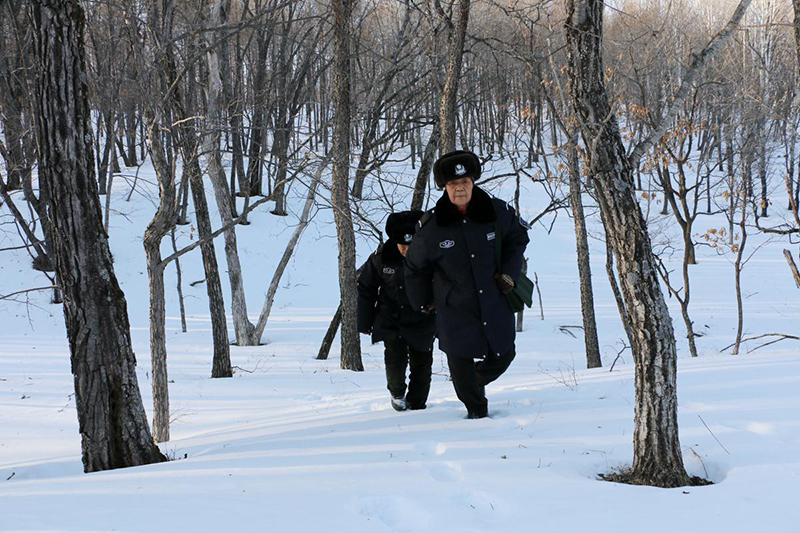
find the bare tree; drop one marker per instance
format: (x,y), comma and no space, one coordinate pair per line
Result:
(584,270)
(244,329)
(111,417)
(163,221)
(657,454)
(340,194)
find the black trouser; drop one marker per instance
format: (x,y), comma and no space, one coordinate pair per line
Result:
(397,356)
(470,377)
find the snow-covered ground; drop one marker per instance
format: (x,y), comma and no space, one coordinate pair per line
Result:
(295,444)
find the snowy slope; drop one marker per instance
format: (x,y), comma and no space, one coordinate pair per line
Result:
(295,444)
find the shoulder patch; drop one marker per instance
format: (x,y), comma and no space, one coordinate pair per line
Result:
(425,218)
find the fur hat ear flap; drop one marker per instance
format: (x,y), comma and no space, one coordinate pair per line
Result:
(456,165)
(401,226)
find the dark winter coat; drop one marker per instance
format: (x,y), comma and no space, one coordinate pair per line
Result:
(383,307)
(451,262)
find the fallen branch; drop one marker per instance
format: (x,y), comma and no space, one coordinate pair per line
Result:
(566,330)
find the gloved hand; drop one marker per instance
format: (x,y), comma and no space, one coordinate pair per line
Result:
(504,282)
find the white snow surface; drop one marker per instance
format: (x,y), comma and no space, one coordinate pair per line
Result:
(292,444)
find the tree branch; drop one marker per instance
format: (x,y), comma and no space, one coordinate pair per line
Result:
(238,220)
(9,296)
(696,65)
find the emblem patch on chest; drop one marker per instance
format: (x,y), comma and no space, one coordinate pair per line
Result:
(388,271)
(447,244)
(490,236)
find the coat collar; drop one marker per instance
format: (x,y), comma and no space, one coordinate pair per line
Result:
(480,209)
(390,254)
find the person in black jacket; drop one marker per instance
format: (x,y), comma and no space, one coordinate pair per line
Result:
(452,266)
(384,310)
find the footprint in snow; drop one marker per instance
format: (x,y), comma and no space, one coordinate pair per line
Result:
(445,472)
(484,506)
(397,513)
(430,448)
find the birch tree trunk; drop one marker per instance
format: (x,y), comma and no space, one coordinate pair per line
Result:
(241,324)
(657,456)
(111,417)
(340,196)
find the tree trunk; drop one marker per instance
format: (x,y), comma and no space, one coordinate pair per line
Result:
(340,195)
(330,334)
(737,266)
(179,283)
(455,54)
(657,453)
(243,328)
(796,7)
(281,153)
(11,106)
(254,166)
(163,221)
(584,268)
(111,417)
(425,166)
(612,280)
(130,136)
(221,367)
(234,108)
(108,150)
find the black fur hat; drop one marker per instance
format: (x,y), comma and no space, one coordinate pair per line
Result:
(455,165)
(401,226)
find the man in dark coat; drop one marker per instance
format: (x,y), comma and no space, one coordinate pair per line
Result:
(384,310)
(452,266)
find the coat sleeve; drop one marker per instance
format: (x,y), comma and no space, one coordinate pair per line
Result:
(419,272)
(368,284)
(515,240)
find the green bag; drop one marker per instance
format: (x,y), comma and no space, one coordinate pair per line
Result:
(522,294)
